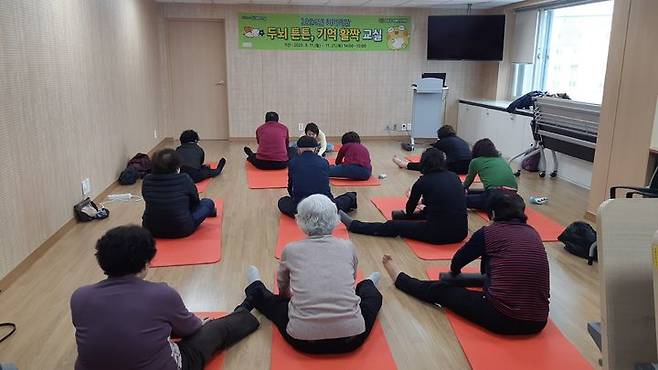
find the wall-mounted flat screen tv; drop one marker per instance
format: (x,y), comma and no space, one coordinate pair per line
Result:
(465,37)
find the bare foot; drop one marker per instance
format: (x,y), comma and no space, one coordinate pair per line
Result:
(391,267)
(400,162)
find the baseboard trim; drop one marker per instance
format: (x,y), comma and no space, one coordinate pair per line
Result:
(28,261)
(332,139)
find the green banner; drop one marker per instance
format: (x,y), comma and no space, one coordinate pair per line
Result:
(274,31)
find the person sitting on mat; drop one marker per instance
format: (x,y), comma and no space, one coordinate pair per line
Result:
(173,208)
(193,157)
(516,295)
(457,151)
(494,171)
(314,131)
(353,159)
(125,321)
(318,309)
(272,139)
(308,174)
(443,218)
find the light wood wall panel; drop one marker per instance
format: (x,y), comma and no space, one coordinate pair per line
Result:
(362,91)
(629,100)
(80,94)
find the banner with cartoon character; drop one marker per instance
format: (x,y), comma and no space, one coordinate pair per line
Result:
(275,31)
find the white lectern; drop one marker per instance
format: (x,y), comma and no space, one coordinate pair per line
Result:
(428,108)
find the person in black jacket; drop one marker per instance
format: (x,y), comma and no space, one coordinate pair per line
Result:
(173,208)
(440,219)
(192,156)
(308,174)
(457,151)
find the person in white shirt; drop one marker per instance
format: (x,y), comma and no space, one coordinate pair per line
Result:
(318,309)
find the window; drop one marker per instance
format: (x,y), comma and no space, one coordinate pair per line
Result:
(572,52)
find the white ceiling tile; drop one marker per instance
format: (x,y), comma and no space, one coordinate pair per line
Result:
(477,4)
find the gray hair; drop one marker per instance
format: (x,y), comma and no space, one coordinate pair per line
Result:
(317,215)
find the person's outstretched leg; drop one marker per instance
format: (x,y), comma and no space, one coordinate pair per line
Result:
(205,209)
(214,336)
(217,171)
(371,302)
(346,202)
(400,162)
(413,166)
(287,206)
(477,200)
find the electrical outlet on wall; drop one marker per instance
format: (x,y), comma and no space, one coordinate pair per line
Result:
(408,126)
(86,187)
(301,127)
(155,134)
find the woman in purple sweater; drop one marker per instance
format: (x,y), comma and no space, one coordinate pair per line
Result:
(353,159)
(126,322)
(514,300)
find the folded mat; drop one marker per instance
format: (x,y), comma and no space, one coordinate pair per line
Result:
(374,354)
(204,246)
(416,158)
(423,250)
(290,232)
(548,350)
(217,362)
(336,181)
(201,186)
(547,228)
(261,179)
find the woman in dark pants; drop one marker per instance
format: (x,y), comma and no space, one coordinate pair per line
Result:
(125,321)
(458,153)
(173,208)
(352,160)
(318,309)
(193,156)
(494,172)
(443,218)
(516,287)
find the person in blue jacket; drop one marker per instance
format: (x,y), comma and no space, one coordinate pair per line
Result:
(308,174)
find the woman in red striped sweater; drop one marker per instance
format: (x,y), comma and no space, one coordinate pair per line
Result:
(514,300)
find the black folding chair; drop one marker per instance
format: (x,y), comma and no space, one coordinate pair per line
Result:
(649,192)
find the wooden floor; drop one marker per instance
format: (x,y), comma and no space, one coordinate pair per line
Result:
(419,334)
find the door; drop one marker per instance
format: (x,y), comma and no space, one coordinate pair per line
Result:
(197,56)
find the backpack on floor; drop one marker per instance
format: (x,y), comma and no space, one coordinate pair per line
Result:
(128,176)
(579,239)
(531,163)
(141,163)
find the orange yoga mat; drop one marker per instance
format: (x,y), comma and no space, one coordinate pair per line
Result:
(372,181)
(425,251)
(204,246)
(547,228)
(260,179)
(201,186)
(217,362)
(290,232)
(548,350)
(374,354)
(416,158)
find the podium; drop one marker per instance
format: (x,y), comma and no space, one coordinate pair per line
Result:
(428,108)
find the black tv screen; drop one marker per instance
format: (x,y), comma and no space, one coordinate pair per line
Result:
(465,37)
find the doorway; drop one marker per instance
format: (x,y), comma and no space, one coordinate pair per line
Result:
(197,55)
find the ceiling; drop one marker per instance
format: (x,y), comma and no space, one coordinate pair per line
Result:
(477,4)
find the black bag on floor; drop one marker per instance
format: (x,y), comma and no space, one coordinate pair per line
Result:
(87,210)
(128,176)
(579,239)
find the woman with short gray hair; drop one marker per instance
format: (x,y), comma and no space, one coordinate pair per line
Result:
(318,310)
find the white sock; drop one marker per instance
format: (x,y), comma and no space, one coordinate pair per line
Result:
(374,277)
(252,274)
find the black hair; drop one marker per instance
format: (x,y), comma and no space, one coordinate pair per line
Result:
(506,206)
(445,131)
(271,117)
(125,250)
(432,160)
(166,161)
(312,127)
(485,148)
(189,136)
(350,137)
